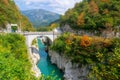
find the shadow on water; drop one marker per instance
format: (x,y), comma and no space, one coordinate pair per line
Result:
(45,65)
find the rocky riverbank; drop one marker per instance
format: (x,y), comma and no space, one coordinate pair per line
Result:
(71,71)
(34,57)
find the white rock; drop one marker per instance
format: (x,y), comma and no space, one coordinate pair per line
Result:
(71,71)
(34,56)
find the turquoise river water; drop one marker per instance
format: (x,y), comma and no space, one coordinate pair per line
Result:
(45,65)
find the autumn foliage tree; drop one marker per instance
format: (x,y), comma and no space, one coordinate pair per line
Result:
(93,8)
(6,2)
(81,21)
(93,15)
(101,55)
(9,13)
(105,1)
(85,41)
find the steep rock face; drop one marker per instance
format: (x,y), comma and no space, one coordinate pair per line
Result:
(34,57)
(103,33)
(71,71)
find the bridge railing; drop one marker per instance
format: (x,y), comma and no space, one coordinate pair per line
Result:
(39,33)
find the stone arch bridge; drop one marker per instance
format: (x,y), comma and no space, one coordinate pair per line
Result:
(30,36)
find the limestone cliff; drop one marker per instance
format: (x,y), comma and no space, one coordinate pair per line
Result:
(34,56)
(71,71)
(101,33)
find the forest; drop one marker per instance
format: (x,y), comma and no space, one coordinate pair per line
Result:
(10,14)
(93,15)
(101,54)
(14,61)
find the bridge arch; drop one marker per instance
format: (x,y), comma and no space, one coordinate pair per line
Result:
(46,40)
(31,36)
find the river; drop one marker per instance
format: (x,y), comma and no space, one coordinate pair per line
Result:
(45,65)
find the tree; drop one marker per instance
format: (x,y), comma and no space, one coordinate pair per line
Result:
(93,8)
(81,21)
(14,61)
(93,14)
(9,13)
(6,2)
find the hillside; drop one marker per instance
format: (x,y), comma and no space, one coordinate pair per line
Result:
(99,52)
(9,13)
(14,61)
(93,15)
(40,17)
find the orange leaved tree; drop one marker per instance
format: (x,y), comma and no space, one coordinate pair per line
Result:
(85,41)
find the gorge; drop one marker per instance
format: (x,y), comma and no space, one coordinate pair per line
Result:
(42,64)
(87,48)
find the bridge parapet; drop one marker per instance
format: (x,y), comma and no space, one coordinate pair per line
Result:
(39,33)
(30,36)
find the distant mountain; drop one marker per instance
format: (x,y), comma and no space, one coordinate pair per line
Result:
(40,17)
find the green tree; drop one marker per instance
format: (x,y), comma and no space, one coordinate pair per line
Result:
(98,14)
(9,13)
(14,62)
(100,54)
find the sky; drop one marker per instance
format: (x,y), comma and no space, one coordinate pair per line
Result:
(57,6)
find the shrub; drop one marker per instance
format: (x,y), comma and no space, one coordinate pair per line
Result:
(103,55)
(85,41)
(14,62)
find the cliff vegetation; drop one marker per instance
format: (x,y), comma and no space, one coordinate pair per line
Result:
(9,13)
(93,15)
(101,54)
